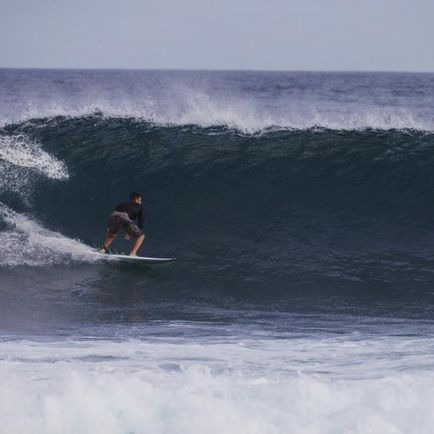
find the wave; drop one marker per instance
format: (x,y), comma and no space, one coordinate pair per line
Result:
(21,159)
(248,102)
(122,387)
(25,242)
(282,202)
(18,152)
(241,116)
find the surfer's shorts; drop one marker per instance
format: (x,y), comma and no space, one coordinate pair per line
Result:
(121,221)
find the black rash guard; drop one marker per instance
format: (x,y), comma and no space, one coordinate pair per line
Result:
(134,211)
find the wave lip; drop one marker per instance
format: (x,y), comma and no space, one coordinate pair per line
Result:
(20,152)
(246,101)
(21,159)
(24,241)
(243,117)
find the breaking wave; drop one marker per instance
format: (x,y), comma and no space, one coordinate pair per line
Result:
(280,202)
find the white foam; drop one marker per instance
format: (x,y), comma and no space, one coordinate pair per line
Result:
(202,110)
(20,160)
(238,386)
(197,107)
(180,104)
(20,152)
(26,242)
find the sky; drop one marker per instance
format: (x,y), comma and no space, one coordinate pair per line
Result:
(357,35)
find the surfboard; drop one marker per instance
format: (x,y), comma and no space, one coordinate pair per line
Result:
(135,259)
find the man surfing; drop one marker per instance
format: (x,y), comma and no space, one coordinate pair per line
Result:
(123,217)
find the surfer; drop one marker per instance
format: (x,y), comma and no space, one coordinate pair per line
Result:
(123,217)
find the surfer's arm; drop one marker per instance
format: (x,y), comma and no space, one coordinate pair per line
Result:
(141,219)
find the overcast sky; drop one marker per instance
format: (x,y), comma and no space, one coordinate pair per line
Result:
(218,34)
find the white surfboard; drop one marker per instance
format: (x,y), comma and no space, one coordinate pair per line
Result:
(135,259)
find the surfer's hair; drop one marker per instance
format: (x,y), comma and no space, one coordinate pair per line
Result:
(135,195)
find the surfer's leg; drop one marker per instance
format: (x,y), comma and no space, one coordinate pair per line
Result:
(113,227)
(108,240)
(137,244)
(133,231)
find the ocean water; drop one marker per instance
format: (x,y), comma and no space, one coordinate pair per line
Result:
(300,209)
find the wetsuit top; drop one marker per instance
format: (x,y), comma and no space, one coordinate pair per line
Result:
(134,211)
